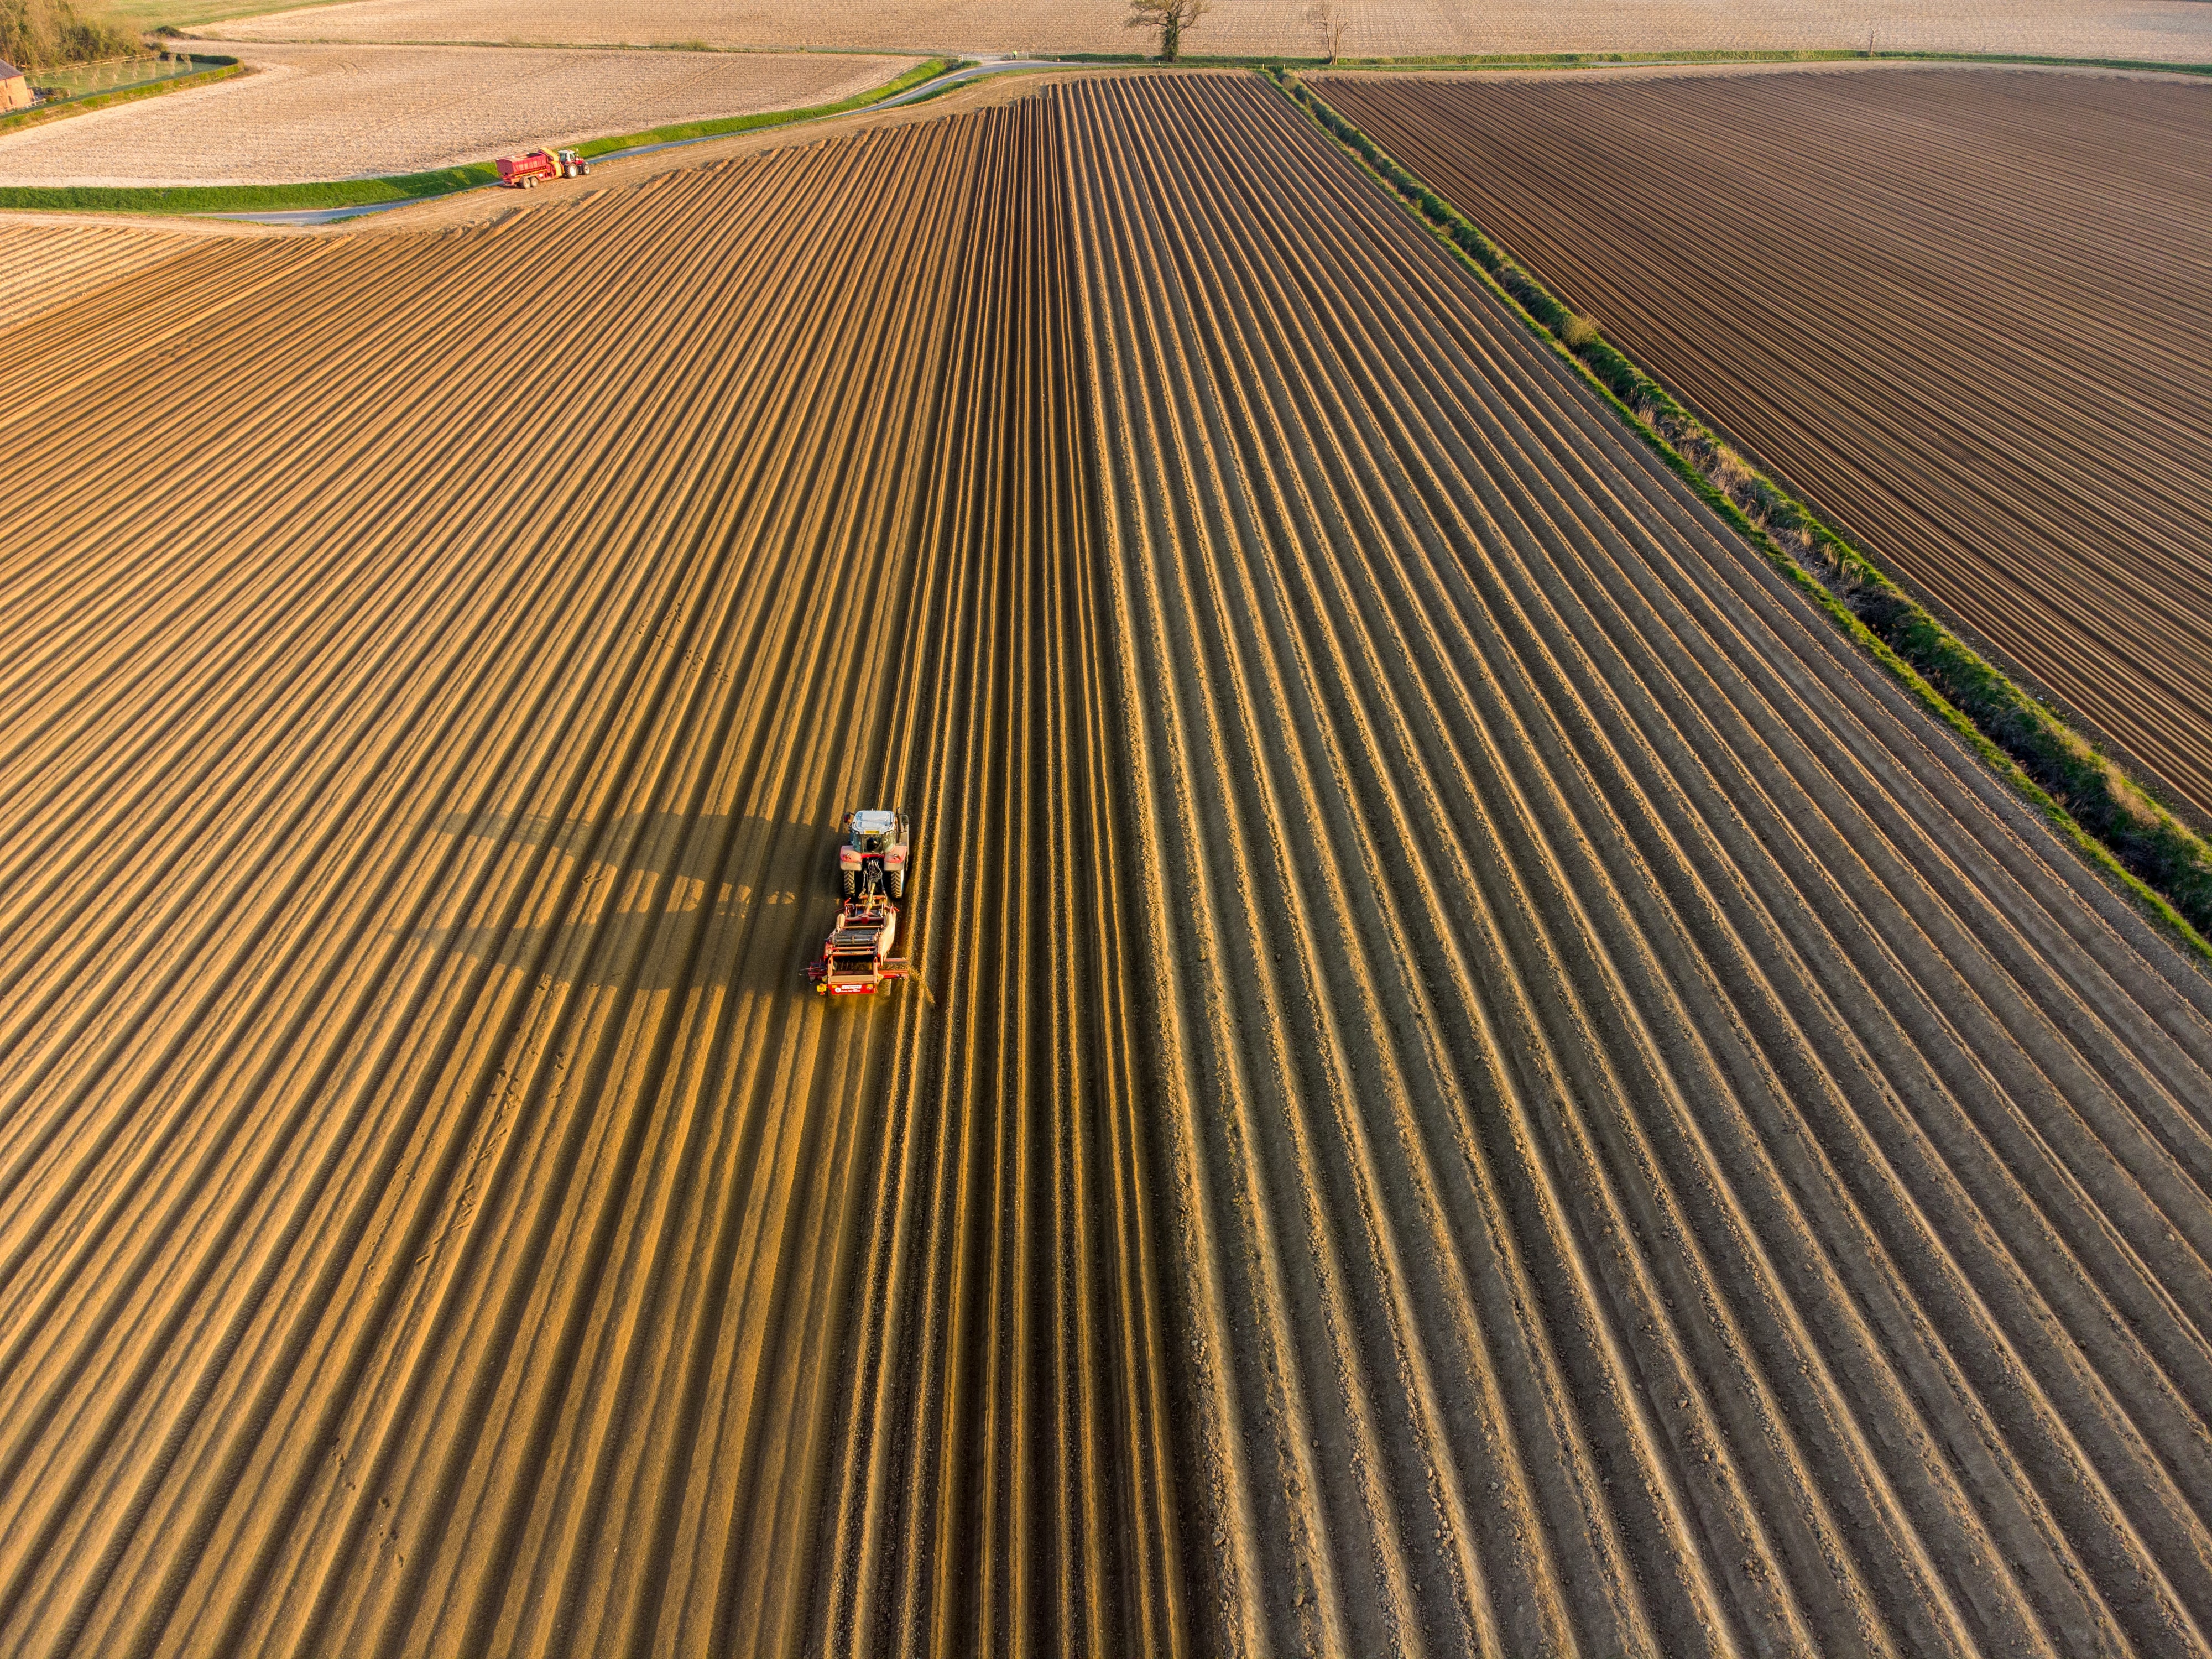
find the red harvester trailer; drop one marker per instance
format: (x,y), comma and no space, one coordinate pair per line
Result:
(856,959)
(522,172)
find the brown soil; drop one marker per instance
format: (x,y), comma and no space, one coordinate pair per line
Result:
(46,262)
(1477,1079)
(1969,316)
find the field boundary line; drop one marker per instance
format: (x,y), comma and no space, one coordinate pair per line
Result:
(2109,818)
(397,190)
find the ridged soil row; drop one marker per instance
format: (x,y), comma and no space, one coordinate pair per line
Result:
(433,1210)
(45,265)
(1000,1482)
(1665,1155)
(1964,314)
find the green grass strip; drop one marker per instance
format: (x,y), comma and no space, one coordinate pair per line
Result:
(245,199)
(405,186)
(2108,817)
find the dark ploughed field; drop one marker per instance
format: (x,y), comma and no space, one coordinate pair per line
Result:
(1966,313)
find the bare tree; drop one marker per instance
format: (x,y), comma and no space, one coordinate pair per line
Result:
(1170,18)
(1329,17)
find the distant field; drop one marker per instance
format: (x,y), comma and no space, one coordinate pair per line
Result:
(1968,315)
(317,112)
(2169,31)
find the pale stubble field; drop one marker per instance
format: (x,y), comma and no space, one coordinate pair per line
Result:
(2168,30)
(336,111)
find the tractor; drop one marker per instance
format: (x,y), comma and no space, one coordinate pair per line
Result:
(875,844)
(523,172)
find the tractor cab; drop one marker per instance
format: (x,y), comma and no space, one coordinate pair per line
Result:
(875,848)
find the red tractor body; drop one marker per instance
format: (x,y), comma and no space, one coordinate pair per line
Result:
(856,959)
(521,172)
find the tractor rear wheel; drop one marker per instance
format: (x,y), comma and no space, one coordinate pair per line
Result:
(851,880)
(895,881)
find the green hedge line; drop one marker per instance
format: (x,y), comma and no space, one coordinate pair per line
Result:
(2108,814)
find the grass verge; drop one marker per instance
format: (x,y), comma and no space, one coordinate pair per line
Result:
(405,186)
(2112,820)
(218,69)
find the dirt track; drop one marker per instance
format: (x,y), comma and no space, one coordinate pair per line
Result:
(1969,315)
(1752,1196)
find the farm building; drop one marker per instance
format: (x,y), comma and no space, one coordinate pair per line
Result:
(15,89)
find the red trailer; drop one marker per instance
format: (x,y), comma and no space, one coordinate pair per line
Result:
(523,172)
(856,959)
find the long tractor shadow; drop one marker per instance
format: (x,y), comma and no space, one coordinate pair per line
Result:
(657,901)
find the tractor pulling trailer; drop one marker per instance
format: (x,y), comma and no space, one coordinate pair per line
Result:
(856,959)
(523,172)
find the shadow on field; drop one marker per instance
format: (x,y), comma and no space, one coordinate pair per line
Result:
(648,901)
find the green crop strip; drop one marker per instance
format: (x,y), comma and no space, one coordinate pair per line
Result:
(245,199)
(407,186)
(2109,818)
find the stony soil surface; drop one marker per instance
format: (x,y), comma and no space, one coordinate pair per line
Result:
(332,112)
(2166,29)
(1477,1081)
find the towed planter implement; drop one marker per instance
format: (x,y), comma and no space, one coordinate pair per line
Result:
(856,959)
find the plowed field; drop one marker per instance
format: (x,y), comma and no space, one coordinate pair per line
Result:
(435,1220)
(1477,1079)
(2163,30)
(1968,315)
